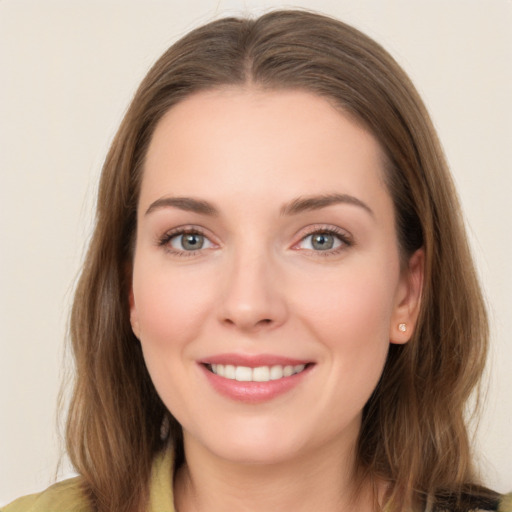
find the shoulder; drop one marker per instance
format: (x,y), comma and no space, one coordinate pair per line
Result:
(69,495)
(505,503)
(65,496)
(474,499)
(501,503)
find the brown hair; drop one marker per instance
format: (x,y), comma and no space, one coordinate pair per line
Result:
(414,434)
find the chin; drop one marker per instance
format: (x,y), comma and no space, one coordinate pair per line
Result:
(270,453)
(259,443)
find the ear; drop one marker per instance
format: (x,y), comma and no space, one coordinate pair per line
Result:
(134,320)
(408,299)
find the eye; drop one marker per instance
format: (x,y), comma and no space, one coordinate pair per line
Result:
(185,242)
(321,241)
(189,242)
(324,240)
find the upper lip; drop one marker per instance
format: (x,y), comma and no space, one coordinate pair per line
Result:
(253,360)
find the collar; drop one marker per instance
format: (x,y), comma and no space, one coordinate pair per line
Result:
(161,497)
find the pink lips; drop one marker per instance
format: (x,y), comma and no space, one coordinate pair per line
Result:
(253,392)
(252,361)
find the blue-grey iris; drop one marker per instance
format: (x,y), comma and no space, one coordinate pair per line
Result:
(322,241)
(192,241)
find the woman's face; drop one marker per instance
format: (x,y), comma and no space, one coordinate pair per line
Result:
(267,282)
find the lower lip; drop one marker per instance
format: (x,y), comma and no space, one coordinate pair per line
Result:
(254,392)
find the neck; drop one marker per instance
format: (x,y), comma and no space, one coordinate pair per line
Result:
(317,480)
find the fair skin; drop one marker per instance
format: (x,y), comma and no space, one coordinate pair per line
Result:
(266,238)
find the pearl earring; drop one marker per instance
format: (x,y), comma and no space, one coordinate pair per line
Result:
(402,327)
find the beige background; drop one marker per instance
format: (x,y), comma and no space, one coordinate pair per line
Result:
(67,71)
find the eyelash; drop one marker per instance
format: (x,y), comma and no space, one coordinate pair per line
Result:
(165,240)
(345,239)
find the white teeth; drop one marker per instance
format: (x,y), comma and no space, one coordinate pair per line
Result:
(258,374)
(276,372)
(261,374)
(230,371)
(243,374)
(288,370)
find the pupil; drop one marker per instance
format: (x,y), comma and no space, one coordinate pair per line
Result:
(192,241)
(323,242)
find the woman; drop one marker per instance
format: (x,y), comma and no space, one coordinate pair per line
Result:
(278,309)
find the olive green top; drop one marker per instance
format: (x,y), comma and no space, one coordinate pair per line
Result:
(67,496)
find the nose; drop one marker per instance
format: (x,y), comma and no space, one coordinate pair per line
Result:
(252,297)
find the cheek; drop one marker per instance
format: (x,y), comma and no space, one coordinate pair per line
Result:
(356,303)
(350,315)
(169,305)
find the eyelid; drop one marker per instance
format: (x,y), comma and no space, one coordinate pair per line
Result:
(165,239)
(342,235)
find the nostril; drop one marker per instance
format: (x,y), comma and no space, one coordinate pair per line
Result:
(264,323)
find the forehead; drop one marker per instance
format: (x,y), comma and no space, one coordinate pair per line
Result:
(247,141)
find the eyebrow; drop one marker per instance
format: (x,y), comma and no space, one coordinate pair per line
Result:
(188,204)
(309,203)
(298,205)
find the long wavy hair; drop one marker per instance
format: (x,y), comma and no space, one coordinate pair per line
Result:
(414,434)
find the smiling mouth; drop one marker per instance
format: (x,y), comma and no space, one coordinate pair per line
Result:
(257,374)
